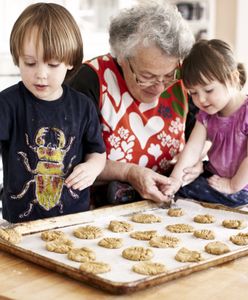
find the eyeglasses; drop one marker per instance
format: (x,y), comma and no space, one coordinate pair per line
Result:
(167,80)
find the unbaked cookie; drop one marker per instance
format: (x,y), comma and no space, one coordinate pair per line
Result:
(234,224)
(143,235)
(186,255)
(60,245)
(51,235)
(120,226)
(137,253)
(81,254)
(164,242)
(175,212)
(216,248)
(111,243)
(149,268)
(145,218)
(10,235)
(205,219)
(240,239)
(95,267)
(180,228)
(88,232)
(205,234)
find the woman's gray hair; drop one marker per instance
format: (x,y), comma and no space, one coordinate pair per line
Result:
(150,24)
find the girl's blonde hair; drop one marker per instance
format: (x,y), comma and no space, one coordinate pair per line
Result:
(56,30)
(211,60)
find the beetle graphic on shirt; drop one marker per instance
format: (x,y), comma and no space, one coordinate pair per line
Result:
(49,172)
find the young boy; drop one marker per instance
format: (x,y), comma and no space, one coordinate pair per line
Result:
(51,138)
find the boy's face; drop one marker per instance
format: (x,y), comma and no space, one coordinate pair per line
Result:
(42,79)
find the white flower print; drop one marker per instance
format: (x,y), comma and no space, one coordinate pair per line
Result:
(123,133)
(114,140)
(164,164)
(155,150)
(176,126)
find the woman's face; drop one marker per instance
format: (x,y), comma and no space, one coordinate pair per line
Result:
(148,73)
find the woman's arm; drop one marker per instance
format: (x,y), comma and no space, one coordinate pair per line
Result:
(145,181)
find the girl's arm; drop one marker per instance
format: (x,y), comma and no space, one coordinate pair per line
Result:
(191,153)
(234,184)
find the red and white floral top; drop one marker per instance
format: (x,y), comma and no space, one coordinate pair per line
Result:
(147,134)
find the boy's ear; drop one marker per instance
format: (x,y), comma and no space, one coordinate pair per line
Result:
(235,76)
(69,67)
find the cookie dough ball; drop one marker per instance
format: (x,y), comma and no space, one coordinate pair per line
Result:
(111,243)
(205,234)
(180,228)
(241,239)
(81,254)
(205,219)
(10,235)
(234,224)
(216,248)
(51,235)
(60,245)
(175,212)
(88,232)
(120,226)
(143,235)
(95,267)
(145,218)
(149,268)
(137,253)
(186,255)
(164,242)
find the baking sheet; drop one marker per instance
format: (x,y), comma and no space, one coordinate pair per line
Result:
(121,278)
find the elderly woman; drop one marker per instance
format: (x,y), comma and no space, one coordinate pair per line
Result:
(142,105)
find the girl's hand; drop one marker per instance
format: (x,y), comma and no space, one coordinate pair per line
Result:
(221,184)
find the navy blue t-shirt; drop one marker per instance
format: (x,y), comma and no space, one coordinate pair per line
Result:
(42,141)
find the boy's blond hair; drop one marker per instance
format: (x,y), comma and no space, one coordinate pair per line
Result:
(57,31)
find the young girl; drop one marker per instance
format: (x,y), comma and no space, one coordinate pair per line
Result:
(51,137)
(214,81)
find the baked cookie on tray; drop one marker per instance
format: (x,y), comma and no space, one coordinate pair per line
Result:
(149,268)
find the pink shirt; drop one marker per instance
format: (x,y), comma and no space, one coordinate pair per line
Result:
(229,140)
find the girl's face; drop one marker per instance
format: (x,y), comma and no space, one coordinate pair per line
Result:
(42,79)
(213,97)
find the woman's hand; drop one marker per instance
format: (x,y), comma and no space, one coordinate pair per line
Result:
(148,183)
